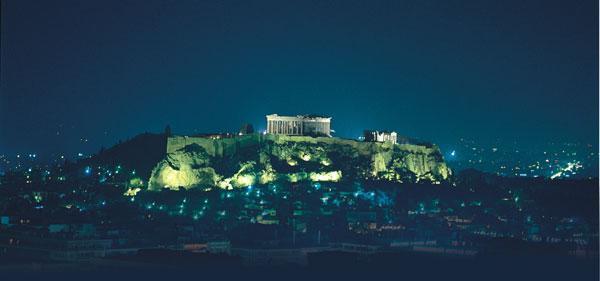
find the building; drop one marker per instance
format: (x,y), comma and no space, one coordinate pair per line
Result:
(381,136)
(300,125)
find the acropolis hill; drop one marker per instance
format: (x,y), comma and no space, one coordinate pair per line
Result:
(241,161)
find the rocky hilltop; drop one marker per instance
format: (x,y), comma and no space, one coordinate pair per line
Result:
(242,161)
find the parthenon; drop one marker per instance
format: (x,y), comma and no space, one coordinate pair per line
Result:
(300,125)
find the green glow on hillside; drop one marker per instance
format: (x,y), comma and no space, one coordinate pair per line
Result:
(208,163)
(326,176)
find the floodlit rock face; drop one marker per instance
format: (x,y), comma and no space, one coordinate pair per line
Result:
(259,159)
(187,167)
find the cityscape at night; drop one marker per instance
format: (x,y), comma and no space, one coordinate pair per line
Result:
(278,139)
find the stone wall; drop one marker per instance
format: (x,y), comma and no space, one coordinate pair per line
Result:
(214,147)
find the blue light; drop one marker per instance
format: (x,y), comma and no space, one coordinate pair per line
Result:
(453,153)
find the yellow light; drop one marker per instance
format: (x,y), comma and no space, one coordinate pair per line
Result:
(132,191)
(267,177)
(305,156)
(136,182)
(225,184)
(326,176)
(296,177)
(184,177)
(244,180)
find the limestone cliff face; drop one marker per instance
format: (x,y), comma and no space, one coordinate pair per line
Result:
(251,159)
(187,167)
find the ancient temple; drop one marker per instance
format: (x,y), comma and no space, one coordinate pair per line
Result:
(300,125)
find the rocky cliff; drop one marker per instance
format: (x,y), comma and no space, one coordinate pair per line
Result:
(260,159)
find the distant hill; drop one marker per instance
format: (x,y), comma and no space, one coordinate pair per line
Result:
(141,153)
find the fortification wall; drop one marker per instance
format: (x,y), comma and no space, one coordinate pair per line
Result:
(229,146)
(214,147)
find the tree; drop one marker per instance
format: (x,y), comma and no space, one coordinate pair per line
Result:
(246,129)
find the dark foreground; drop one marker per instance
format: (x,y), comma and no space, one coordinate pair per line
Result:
(330,265)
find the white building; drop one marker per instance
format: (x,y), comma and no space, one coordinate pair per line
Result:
(381,136)
(300,125)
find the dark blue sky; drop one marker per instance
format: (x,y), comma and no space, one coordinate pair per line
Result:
(107,70)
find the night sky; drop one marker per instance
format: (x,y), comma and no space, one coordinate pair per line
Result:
(434,70)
